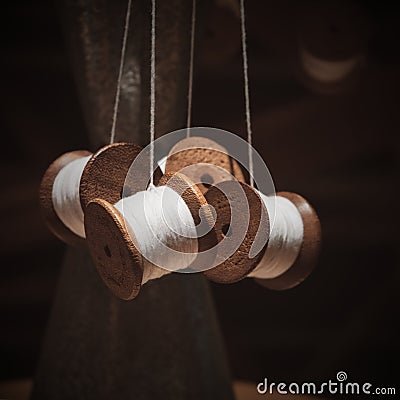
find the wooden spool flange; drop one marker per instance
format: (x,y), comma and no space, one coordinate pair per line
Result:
(115,251)
(239,265)
(103,176)
(250,211)
(210,158)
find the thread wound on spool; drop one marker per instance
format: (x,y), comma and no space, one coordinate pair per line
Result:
(66,196)
(285,238)
(308,254)
(164,228)
(130,231)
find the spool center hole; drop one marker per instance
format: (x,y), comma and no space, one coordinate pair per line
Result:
(107,251)
(226,230)
(207,180)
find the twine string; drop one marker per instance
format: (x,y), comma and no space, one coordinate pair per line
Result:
(121,67)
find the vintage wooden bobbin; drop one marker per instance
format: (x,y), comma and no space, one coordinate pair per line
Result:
(103,176)
(205,154)
(115,249)
(240,265)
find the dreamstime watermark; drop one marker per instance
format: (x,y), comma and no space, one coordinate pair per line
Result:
(340,386)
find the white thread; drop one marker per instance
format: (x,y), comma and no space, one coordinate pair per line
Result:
(328,71)
(161,221)
(121,67)
(152,87)
(285,240)
(65,195)
(162,163)
(190,86)
(246,90)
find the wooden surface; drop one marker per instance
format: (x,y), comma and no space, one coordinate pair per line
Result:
(213,164)
(105,173)
(239,209)
(198,207)
(115,253)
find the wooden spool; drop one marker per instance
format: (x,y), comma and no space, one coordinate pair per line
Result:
(332,43)
(309,251)
(223,197)
(103,176)
(211,160)
(239,265)
(115,251)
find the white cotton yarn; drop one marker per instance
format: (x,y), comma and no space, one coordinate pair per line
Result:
(286,238)
(65,196)
(159,219)
(164,228)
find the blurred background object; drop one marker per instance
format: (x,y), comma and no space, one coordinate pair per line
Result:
(332,42)
(340,150)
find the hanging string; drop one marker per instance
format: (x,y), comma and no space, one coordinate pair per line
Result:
(190,87)
(152,87)
(121,67)
(246,91)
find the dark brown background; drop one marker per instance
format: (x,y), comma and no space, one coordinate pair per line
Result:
(338,151)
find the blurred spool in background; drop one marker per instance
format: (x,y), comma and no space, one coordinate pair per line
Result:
(332,39)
